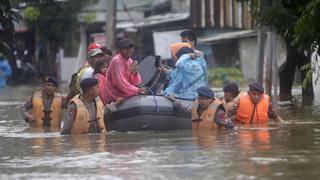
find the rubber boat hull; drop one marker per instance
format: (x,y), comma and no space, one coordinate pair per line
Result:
(148,113)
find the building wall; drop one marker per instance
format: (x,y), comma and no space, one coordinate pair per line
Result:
(248,57)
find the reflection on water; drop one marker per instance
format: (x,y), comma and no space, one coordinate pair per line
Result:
(249,152)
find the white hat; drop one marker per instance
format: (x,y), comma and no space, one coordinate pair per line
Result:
(94,52)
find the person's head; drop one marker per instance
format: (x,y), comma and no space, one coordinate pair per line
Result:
(205,96)
(189,36)
(89,87)
(175,47)
(255,92)
(184,50)
(94,56)
(93,45)
(50,85)
(231,91)
(107,54)
(126,48)
(101,66)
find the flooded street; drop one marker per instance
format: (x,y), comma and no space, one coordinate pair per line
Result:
(260,152)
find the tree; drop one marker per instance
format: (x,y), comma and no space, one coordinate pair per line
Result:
(53,21)
(297,22)
(7,18)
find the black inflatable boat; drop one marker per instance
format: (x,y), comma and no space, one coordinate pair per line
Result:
(148,113)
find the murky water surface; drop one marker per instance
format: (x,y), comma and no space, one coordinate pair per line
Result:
(252,152)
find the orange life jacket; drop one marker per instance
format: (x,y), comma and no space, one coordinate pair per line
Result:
(249,113)
(206,120)
(81,122)
(38,109)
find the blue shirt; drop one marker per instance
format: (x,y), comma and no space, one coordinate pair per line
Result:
(5,71)
(189,75)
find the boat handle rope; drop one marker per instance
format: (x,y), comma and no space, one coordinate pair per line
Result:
(154,98)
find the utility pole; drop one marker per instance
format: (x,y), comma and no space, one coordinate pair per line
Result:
(275,70)
(260,55)
(111,19)
(269,55)
(261,44)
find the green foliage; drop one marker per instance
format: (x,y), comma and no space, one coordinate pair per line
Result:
(87,17)
(7,17)
(53,20)
(31,14)
(307,27)
(221,76)
(311,69)
(295,20)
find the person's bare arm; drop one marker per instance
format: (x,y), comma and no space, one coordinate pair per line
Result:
(272,113)
(67,125)
(24,109)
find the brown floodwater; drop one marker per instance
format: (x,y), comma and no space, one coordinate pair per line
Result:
(283,152)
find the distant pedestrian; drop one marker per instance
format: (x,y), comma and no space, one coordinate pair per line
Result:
(5,71)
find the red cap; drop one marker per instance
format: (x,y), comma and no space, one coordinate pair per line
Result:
(94,46)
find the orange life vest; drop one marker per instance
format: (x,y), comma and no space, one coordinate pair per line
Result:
(249,113)
(81,122)
(206,120)
(38,109)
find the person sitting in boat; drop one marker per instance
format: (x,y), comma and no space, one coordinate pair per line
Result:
(100,72)
(86,110)
(175,47)
(190,37)
(123,74)
(207,112)
(189,75)
(254,107)
(95,53)
(46,105)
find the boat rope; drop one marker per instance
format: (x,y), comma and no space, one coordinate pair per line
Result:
(154,98)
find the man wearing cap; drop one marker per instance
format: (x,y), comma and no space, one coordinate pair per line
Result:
(123,74)
(207,112)
(46,105)
(94,56)
(95,53)
(254,107)
(86,110)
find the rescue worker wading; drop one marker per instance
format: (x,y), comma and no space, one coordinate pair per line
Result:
(254,107)
(86,110)
(46,105)
(207,112)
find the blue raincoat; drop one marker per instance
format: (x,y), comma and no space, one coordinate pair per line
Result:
(5,72)
(188,76)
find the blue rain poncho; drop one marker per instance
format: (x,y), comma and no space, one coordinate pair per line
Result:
(5,72)
(189,75)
